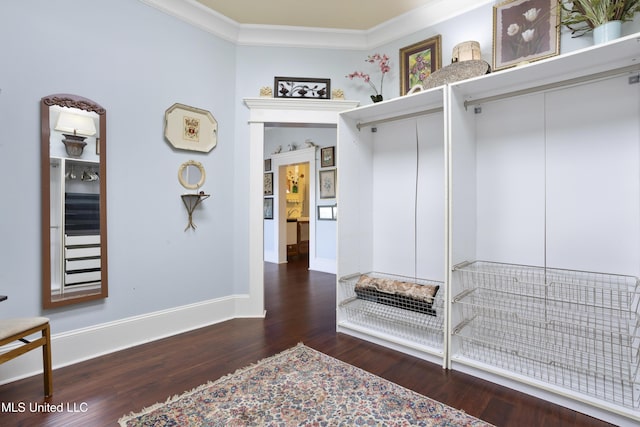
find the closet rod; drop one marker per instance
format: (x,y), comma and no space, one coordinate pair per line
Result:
(562,83)
(402,117)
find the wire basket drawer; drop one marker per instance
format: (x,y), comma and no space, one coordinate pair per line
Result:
(420,324)
(609,388)
(575,329)
(583,320)
(610,356)
(598,290)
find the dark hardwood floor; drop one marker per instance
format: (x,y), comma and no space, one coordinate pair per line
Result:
(300,308)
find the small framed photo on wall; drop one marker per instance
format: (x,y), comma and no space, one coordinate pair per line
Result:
(327,184)
(268,184)
(267,165)
(327,157)
(268,208)
(327,213)
(525,31)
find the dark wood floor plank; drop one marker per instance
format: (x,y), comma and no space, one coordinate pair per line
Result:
(300,308)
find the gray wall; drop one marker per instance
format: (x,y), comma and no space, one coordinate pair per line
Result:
(137,61)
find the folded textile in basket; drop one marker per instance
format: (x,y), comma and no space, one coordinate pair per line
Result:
(396,293)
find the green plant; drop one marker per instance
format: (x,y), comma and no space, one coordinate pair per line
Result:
(582,16)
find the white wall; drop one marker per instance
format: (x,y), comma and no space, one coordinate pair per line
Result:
(257,65)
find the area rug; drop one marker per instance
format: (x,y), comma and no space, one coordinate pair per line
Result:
(300,387)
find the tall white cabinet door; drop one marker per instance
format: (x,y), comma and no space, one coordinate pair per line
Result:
(393,204)
(408,201)
(510,181)
(431,199)
(593,177)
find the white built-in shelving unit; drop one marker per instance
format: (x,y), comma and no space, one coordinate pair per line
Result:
(391,223)
(518,192)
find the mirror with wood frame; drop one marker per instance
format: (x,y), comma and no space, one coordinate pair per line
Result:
(74,196)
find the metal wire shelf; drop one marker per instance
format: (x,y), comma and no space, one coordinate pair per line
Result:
(575,329)
(598,385)
(553,347)
(587,289)
(583,320)
(405,322)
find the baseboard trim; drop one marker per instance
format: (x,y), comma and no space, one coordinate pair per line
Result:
(83,344)
(323,264)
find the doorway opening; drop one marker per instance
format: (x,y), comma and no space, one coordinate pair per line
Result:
(297,209)
(294,201)
(265,115)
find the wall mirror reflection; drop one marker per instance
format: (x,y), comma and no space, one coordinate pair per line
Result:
(74,233)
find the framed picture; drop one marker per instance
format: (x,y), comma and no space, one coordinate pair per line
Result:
(418,61)
(268,208)
(302,87)
(268,184)
(327,184)
(525,31)
(327,213)
(267,165)
(189,128)
(327,157)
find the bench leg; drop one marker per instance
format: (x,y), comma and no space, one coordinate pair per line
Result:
(46,362)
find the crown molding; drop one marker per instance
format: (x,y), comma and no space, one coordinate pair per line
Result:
(213,22)
(200,16)
(295,110)
(298,104)
(289,36)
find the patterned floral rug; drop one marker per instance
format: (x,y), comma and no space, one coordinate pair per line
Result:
(300,386)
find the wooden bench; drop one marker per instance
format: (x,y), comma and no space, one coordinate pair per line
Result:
(18,329)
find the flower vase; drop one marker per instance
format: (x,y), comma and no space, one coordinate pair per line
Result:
(606,32)
(376,98)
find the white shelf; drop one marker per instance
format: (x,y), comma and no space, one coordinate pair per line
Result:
(623,52)
(387,338)
(393,108)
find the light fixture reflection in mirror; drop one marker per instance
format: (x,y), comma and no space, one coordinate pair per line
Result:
(75,128)
(74,226)
(191,175)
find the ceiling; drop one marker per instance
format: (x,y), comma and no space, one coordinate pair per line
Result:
(334,14)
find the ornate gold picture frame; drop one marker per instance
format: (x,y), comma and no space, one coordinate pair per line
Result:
(418,61)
